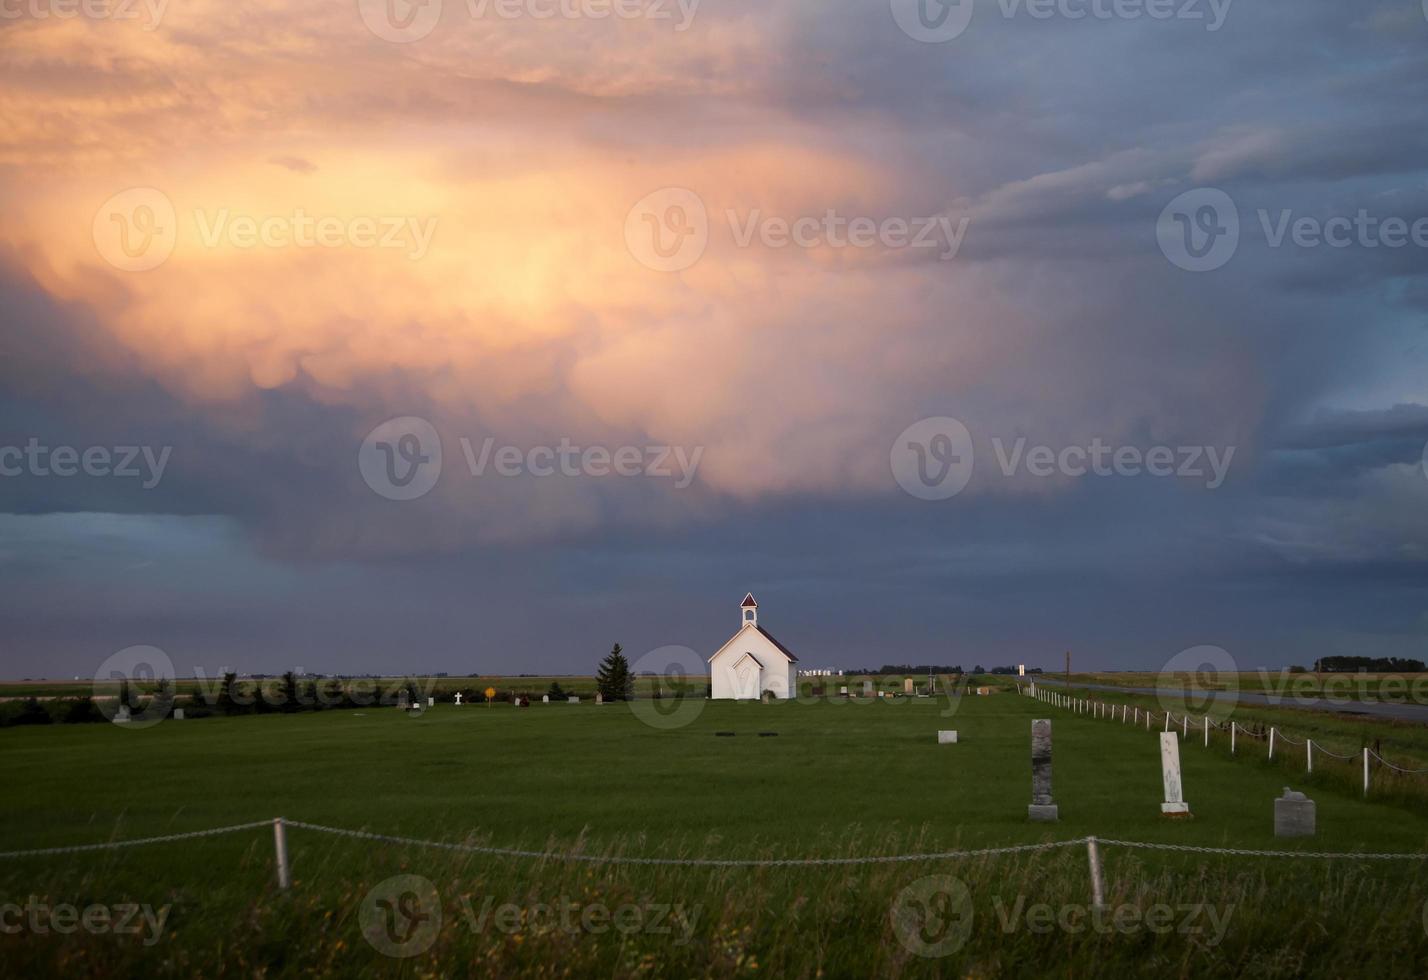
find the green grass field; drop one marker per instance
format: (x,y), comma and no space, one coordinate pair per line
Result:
(840,779)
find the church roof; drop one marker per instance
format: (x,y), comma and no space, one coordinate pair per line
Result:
(748,601)
(781,648)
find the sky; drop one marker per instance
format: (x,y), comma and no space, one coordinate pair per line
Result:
(478,337)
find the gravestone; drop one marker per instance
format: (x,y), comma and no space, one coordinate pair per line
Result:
(599,698)
(1042,807)
(121,717)
(431,702)
(458,697)
(867,689)
(907,685)
(545,699)
(1293,815)
(574,699)
(1174,805)
(946,738)
(843,690)
(178,714)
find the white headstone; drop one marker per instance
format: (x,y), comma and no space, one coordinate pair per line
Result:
(844,689)
(458,697)
(431,702)
(122,715)
(867,689)
(599,698)
(574,699)
(1170,772)
(946,738)
(178,714)
(545,699)
(907,685)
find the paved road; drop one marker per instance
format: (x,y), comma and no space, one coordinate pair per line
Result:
(1376,709)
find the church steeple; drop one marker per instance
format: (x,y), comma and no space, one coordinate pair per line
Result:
(749,610)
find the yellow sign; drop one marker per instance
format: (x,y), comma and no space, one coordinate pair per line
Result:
(490,693)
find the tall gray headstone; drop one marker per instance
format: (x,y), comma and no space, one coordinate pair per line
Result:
(1042,806)
(1293,815)
(867,689)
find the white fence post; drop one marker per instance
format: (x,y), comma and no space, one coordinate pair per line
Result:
(1185,726)
(1233,725)
(1271,743)
(280,841)
(1207,731)
(1309,753)
(1098,885)
(1366,771)
(1167,721)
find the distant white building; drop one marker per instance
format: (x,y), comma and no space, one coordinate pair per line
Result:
(752,662)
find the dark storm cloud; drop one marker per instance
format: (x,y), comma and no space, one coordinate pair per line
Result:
(262,546)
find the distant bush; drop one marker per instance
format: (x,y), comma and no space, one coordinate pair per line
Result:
(82,711)
(32,713)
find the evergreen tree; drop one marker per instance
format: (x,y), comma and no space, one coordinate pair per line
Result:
(226,703)
(556,692)
(613,678)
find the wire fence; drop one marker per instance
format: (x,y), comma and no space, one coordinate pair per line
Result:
(1092,844)
(1129,714)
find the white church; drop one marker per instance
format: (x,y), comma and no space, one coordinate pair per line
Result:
(752,662)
